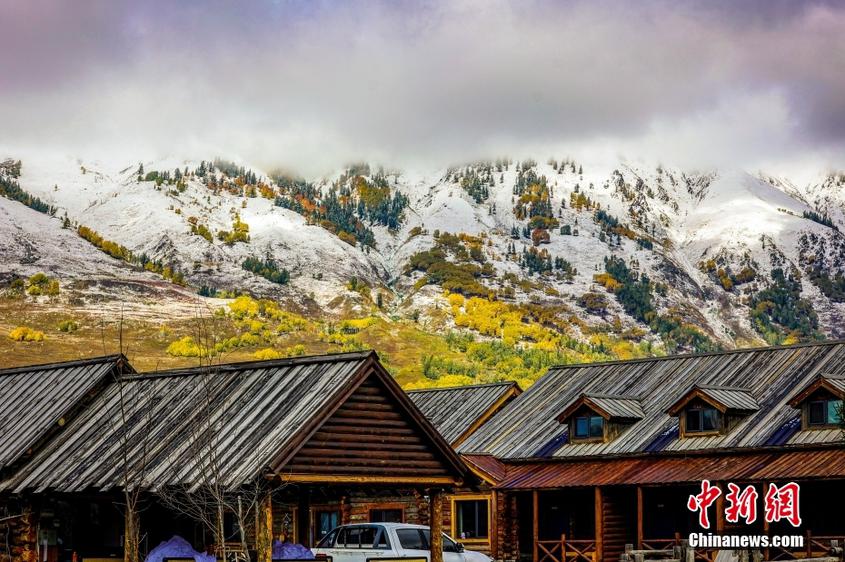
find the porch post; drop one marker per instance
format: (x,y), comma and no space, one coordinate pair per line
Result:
(264,538)
(599,524)
(640,523)
(535,522)
(720,512)
(493,531)
(436,525)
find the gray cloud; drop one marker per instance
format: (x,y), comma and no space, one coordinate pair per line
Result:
(312,85)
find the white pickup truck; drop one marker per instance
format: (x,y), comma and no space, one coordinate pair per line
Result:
(369,542)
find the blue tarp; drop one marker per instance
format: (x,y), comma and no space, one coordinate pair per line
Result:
(290,551)
(177,547)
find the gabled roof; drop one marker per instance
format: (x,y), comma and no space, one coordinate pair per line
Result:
(458,411)
(250,418)
(723,398)
(528,427)
(835,384)
(35,401)
(609,407)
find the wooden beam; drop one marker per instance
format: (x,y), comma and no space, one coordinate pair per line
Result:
(599,524)
(535,523)
(367,479)
(640,522)
(436,525)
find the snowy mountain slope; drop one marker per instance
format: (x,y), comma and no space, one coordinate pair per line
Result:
(712,242)
(31,242)
(135,214)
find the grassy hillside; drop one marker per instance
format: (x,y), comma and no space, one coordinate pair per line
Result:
(470,340)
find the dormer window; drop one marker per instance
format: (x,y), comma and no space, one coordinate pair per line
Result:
(588,426)
(820,402)
(599,418)
(712,410)
(702,419)
(826,412)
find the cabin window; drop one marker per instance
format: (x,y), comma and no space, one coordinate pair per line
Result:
(472,519)
(588,427)
(702,420)
(824,412)
(390,515)
(325,521)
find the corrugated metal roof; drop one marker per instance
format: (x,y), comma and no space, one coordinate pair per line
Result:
(487,465)
(772,466)
(455,410)
(238,416)
(527,426)
(35,400)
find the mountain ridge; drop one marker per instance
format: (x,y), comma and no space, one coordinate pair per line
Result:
(685,260)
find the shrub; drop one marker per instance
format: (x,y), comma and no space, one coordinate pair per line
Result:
(595,303)
(187,347)
(24,333)
(68,326)
(40,284)
(267,354)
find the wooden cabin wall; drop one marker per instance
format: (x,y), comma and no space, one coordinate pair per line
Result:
(370,436)
(359,503)
(618,521)
(506,523)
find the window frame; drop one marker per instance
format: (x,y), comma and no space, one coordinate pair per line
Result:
(828,404)
(700,409)
(588,416)
(454,517)
(400,507)
(314,523)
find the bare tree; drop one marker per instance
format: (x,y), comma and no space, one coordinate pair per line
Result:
(133,423)
(207,495)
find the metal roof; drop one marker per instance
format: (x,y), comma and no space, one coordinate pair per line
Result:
(238,417)
(836,381)
(455,411)
(610,407)
(756,467)
(36,400)
(732,398)
(493,470)
(724,397)
(527,426)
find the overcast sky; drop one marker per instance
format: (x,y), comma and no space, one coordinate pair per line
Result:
(313,85)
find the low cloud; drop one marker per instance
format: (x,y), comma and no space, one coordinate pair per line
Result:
(310,86)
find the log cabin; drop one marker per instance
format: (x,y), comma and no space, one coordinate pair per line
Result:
(308,442)
(596,456)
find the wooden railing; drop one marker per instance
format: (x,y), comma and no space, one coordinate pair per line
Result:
(814,546)
(669,544)
(566,550)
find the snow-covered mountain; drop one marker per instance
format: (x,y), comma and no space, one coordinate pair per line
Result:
(736,256)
